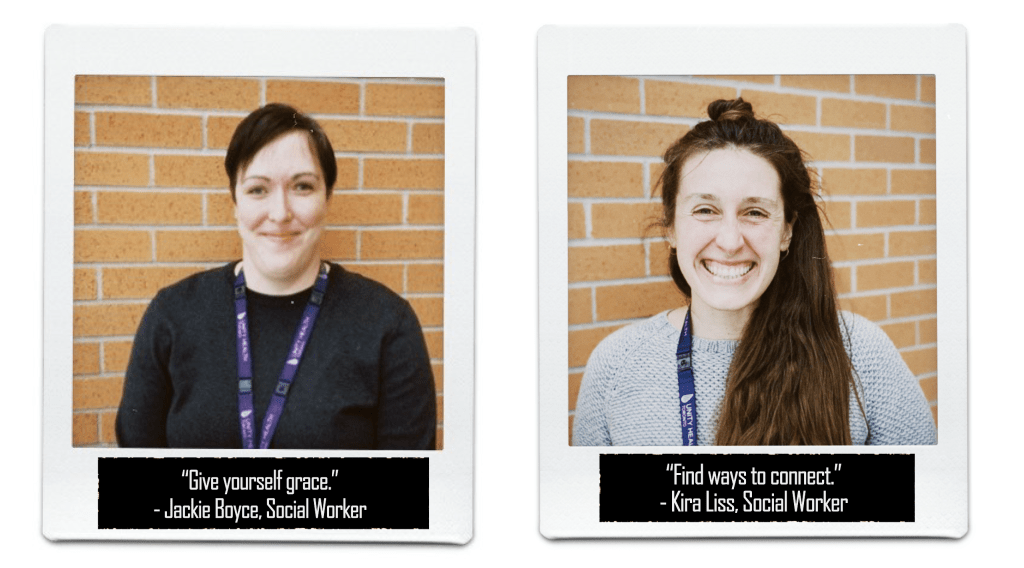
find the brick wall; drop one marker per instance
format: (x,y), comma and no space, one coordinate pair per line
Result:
(871,139)
(151,203)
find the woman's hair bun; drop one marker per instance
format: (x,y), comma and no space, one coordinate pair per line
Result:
(736,109)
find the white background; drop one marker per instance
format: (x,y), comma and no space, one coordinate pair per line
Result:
(506,508)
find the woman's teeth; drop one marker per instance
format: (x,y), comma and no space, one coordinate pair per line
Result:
(727,270)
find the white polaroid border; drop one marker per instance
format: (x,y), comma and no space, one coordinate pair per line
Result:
(70,474)
(570,476)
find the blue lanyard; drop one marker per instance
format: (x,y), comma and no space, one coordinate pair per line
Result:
(687,391)
(291,365)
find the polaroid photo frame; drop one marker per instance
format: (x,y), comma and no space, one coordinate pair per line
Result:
(399,107)
(883,114)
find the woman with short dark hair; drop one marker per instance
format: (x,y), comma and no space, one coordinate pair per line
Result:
(280,349)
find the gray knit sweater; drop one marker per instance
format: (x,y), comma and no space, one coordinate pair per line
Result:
(629,395)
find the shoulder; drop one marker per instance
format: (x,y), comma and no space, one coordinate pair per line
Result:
(197,289)
(367,300)
(864,338)
(627,341)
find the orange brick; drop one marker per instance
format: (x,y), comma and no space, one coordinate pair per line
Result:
(208,93)
(603,93)
(902,334)
(575,379)
(338,245)
(83,208)
(636,300)
(605,179)
(577,144)
(580,309)
(837,214)
(930,387)
(404,100)
(921,361)
(348,173)
(825,147)
(426,209)
(611,220)
(627,138)
(871,307)
(926,151)
(577,221)
(113,90)
(887,275)
(149,208)
(440,409)
(366,135)
(106,319)
(189,171)
(928,88)
(929,332)
(843,279)
(570,430)
(220,129)
(916,303)
(657,264)
(926,272)
(855,247)
(108,420)
(781,108)
(840,112)
(403,174)
(435,344)
(84,284)
(220,210)
(82,135)
(439,438)
(682,99)
(99,168)
(654,172)
(426,278)
(886,213)
(112,246)
(198,246)
(315,96)
(402,244)
(913,119)
(430,311)
(884,149)
(428,138)
(84,429)
(891,86)
(913,181)
(358,208)
(583,341)
(935,414)
(909,243)
(764,79)
(156,130)
(85,358)
(836,83)
(116,355)
(606,263)
(438,370)
(390,275)
(926,212)
(142,282)
(96,393)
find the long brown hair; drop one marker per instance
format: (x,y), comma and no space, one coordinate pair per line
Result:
(790,379)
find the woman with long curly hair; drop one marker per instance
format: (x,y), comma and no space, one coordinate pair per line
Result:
(761,355)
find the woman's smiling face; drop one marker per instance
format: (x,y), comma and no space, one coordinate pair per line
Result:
(729,229)
(280,204)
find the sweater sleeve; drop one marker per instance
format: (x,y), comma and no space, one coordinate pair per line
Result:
(142,416)
(407,412)
(896,408)
(590,424)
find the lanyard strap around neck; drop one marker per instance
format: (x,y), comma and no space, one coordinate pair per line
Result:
(687,391)
(291,365)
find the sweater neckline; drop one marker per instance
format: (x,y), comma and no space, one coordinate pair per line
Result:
(699,343)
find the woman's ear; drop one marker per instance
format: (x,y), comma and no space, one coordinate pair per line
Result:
(787,234)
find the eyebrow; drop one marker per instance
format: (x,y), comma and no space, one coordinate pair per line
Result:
(294,177)
(713,197)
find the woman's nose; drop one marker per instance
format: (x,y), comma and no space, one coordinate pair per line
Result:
(729,238)
(280,207)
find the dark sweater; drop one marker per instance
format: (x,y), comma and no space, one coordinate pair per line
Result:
(364,381)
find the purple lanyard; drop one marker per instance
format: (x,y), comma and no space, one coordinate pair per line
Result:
(687,391)
(291,365)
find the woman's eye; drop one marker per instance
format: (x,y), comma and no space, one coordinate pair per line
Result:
(757,213)
(256,190)
(305,187)
(703,211)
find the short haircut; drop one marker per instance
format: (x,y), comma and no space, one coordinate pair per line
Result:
(266,124)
